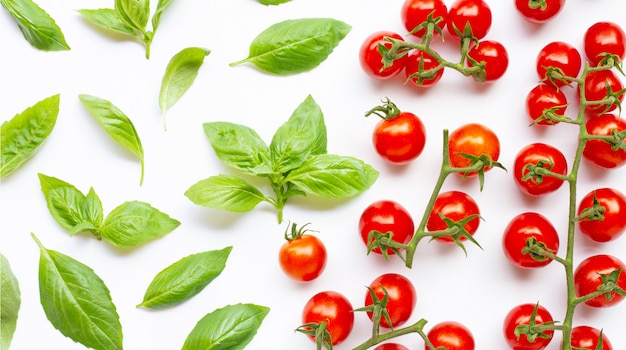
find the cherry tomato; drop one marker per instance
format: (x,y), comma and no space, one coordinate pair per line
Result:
(604,38)
(539,14)
(601,153)
(589,274)
(334,309)
(371,59)
(613,222)
(559,55)
(456,206)
(494,56)
(539,155)
(402,298)
(400,139)
(519,230)
(585,337)
(386,216)
(391,346)
(522,315)
(415,12)
(303,256)
(420,61)
(475,13)
(597,85)
(450,335)
(473,139)
(545,97)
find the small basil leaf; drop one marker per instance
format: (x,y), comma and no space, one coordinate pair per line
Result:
(333,176)
(185,278)
(77,302)
(38,28)
(295,46)
(273,2)
(10,302)
(116,124)
(21,137)
(133,223)
(158,13)
(107,19)
(225,192)
(134,12)
(229,328)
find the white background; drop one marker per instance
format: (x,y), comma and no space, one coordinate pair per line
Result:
(477,290)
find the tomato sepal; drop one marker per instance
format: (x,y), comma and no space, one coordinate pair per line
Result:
(378,308)
(456,230)
(320,333)
(534,330)
(478,164)
(385,242)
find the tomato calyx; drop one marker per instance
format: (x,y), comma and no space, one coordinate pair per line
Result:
(534,330)
(386,111)
(478,164)
(320,333)
(430,25)
(593,213)
(536,172)
(556,77)
(293,232)
(385,242)
(609,287)
(378,308)
(456,230)
(550,116)
(537,4)
(538,250)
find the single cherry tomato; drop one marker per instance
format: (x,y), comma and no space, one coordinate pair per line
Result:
(399,139)
(612,222)
(533,157)
(386,216)
(475,140)
(473,13)
(415,12)
(493,55)
(335,310)
(591,272)
(456,206)
(521,315)
(391,346)
(597,87)
(604,38)
(450,335)
(538,229)
(303,256)
(559,55)
(542,98)
(371,58)
(585,337)
(401,298)
(601,153)
(539,11)
(420,61)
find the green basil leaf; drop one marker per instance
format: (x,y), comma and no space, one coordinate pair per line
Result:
(10,302)
(156,18)
(295,46)
(107,19)
(333,176)
(116,124)
(134,12)
(225,192)
(185,278)
(273,2)
(77,302)
(38,28)
(133,223)
(68,206)
(239,146)
(229,328)
(304,134)
(21,137)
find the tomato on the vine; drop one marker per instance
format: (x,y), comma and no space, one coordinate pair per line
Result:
(456,206)
(332,308)
(585,337)
(539,11)
(494,57)
(545,97)
(303,256)
(527,166)
(401,298)
(540,231)
(561,56)
(598,85)
(391,346)
(420,61)
(475,140)
(602,153)
(611,221)
(473,13)
(592,272)
(399,139)
(386,216)
(604,38)
(522,315)
(415,12)
(450,335)
(370,57)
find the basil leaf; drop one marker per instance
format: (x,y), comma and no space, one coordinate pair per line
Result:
(77,302)
(134,12)
(156,18)
(116,124)
(133,223)
(304,134)
(38,28)
(239,146)
(185,278)
(21,137)
(10,301)
(273,2)
(333,176)
(107,19)
(229,328)
(68,206)
(225,192)
(295,46)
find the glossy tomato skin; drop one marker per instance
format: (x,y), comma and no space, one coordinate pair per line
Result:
(521,315)
(402,298)
(391,346)
(415,12)
(561,55)
(386,216)
(613,223)
(474,139)
(588,277)
(519,230)
(596,89)
(600,153)
(604,37)
(401,139)
(537,154)
(371,59)
(334,309)
(585,337)
(544,97)
(456,206)
(303,258)
(476,13)
(420,61)
(539,15)
(451,335)
(495,56)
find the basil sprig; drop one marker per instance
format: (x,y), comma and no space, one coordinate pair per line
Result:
(9,303)
(295,163)
(38,28)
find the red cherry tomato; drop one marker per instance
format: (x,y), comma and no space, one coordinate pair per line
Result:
(494,56)
(589,274)
(585,337)
(613,221)
(420,61)
(545,97)
(302,257)
(391,346)
(400,139)
(371,59)
(475,13)
(597,85)
(539,155)
(334,309)
(522,315)
(450,335)
(473,139)
(559,55)
(539,14)
(401,294)
(601,153)
(456,206)
(415,12)
(604,38)
(386,216)
(519,230)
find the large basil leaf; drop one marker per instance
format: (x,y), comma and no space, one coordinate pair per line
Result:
(21,137)
(9,303)
(38,28)
(273,2)
(225,192)
(107,18)
(296,45)
(185,278)
(229,328)
(134,12)
(77,302)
